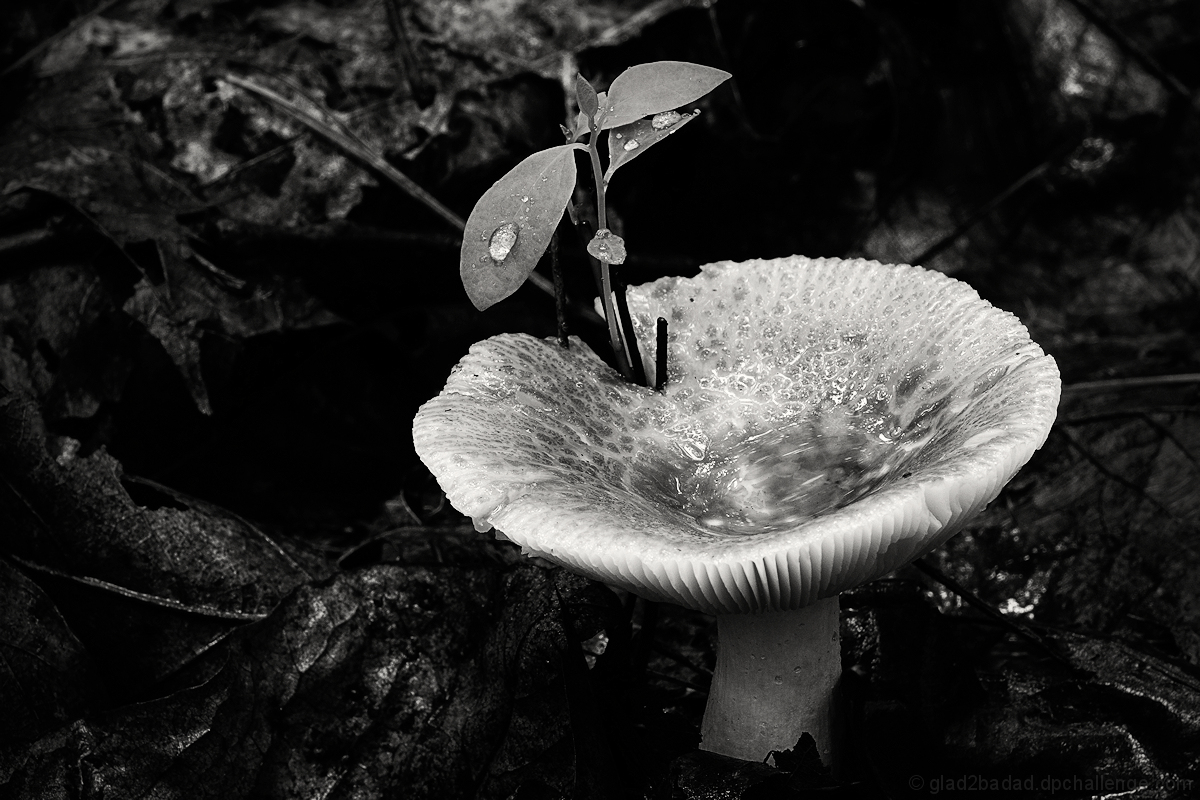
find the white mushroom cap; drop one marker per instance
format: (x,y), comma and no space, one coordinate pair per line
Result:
(925,398)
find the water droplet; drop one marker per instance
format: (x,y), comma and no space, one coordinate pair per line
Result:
(778,680)
(632,144)
(796,670)
(620,136)
(502,241)
(665,119)
(524,198)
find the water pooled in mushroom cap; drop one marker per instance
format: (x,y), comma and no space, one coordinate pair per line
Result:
(502,241)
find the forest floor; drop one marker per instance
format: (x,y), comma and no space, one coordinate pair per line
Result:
(225,291)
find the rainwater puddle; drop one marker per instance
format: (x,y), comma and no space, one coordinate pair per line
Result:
(779,477)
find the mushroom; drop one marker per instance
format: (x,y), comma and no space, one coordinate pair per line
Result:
(824,422)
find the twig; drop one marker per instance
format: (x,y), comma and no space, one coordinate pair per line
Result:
(376,161)
(974,602)
(979,213)
(237,169)
(351,144)
(149,599)
(660,354)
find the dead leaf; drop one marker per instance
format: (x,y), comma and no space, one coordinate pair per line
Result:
(48,678)
(387,682)
(74,517)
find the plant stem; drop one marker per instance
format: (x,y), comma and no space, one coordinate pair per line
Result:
(660,354)
(614,330)
(560,292)
(776,676)
(631,345)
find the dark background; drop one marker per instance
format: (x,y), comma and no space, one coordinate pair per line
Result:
(221,310)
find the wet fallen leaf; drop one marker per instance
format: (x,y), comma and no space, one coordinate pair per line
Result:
(429,683)
(74,518)
(48,678)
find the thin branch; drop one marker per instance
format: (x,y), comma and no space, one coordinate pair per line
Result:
(980,213)
(351,144)
(987,610)
(660,354)
(149,599)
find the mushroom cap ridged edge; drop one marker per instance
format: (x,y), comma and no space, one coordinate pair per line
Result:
(866,539)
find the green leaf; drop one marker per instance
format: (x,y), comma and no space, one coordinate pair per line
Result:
(511,225)
(630,141)
(659,86)
(606,246)
(586,95)
(581,126)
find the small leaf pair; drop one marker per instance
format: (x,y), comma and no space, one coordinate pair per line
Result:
(641,91)
(512,224)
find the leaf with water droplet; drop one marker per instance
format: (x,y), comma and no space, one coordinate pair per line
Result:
(606,246)
(658,86)
(644,134)
(664,119)
(501,242)
(510,227)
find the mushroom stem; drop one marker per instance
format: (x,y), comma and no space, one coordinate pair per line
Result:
(775,679)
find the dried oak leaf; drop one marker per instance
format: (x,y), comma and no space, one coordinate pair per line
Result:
(393,681)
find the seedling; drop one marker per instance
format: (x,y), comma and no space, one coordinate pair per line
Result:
(513,223)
